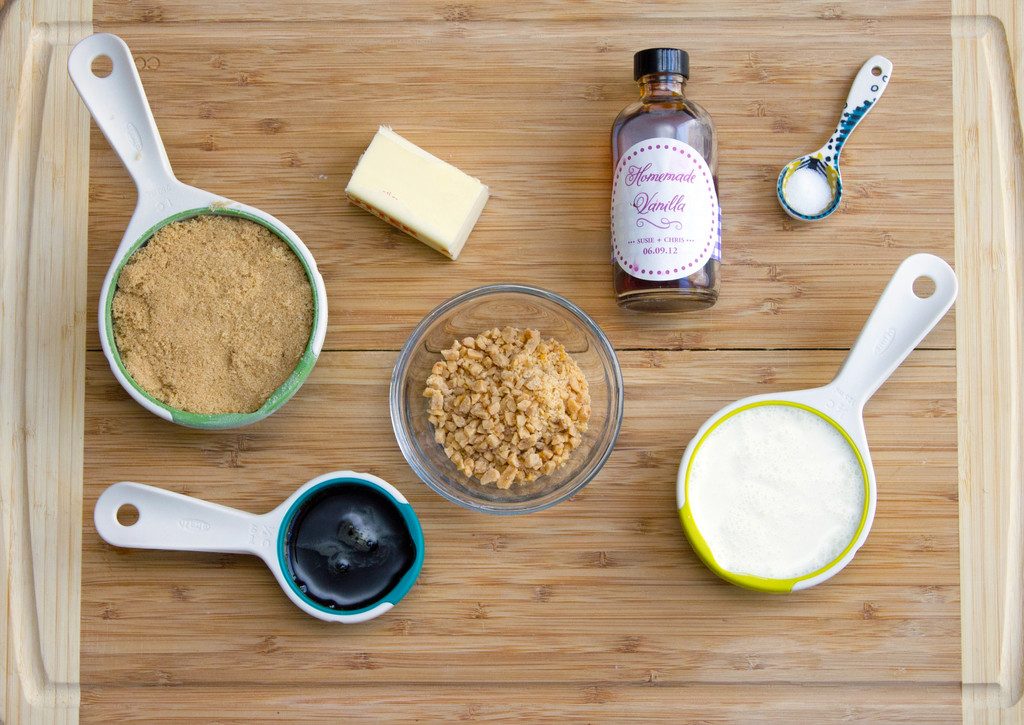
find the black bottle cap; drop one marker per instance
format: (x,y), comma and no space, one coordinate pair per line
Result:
(661,60)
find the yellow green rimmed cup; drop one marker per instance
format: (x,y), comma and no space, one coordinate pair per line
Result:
(863,496)
(118,104)
(898,323)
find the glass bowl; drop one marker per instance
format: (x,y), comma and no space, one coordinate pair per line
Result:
(469,314)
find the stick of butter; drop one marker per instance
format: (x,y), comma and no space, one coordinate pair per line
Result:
(417,192)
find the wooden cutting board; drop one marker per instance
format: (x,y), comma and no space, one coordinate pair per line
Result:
(595,609)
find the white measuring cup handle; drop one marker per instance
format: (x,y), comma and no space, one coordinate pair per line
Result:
(172,521)
(118,104)
(898,323)
(867,88)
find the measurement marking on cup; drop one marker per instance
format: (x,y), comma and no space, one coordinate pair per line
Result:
(841,403)
(260,535)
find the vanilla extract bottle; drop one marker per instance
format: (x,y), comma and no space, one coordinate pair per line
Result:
(666,224)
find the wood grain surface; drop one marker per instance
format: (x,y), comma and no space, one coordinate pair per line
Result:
(595,609)
(275,114)
(593,598)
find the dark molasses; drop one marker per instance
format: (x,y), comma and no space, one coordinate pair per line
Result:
(348,546)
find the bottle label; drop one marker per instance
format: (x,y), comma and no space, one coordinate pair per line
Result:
(666,222)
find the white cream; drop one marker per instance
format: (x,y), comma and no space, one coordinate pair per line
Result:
(807,191)
(776,492)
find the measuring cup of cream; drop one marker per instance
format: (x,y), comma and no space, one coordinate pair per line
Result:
(345,547)
(118,104)
(776,492)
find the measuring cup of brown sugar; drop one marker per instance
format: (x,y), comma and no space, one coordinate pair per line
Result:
(167,207)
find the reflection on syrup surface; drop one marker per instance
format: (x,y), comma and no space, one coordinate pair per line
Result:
(348,546)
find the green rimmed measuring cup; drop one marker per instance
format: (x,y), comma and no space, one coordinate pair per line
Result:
(118,104)
(898,323)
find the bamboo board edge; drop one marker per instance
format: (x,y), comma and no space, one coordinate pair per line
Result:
(44,159)
(988,40)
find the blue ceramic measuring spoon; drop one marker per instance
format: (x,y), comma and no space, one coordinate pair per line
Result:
(867,88)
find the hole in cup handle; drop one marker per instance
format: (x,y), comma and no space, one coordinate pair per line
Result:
(924,287)
(127,515)
(102,66)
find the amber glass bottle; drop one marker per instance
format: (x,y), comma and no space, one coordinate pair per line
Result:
(666,224)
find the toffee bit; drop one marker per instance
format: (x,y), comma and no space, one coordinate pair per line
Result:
(527,403)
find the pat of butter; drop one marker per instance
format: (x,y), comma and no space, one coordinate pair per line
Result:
(417,192)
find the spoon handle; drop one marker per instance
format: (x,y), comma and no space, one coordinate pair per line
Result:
(174,522)
(867,88)
(898,323)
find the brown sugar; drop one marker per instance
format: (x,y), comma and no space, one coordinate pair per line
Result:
(212,314)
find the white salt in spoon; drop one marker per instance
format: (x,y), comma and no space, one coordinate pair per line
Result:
(898,323)
(118,104)
(810,187)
